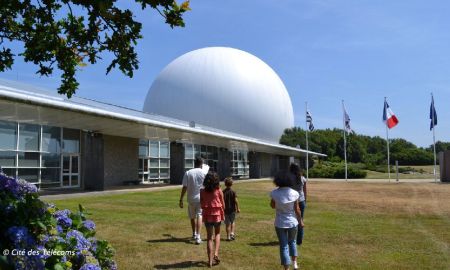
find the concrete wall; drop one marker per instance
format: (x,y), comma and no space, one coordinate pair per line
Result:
(444,164)
(254,164)
(92,170)
(120,159)
(224,163)
(176,163)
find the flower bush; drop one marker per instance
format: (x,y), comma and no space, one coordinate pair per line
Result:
(36,235)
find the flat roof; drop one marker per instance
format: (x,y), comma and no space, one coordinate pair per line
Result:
(26,103)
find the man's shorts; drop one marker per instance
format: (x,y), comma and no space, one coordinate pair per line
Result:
(194,210)
(229,218)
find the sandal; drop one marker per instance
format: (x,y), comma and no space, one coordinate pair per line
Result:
(216,260)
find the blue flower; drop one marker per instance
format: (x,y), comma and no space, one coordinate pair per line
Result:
(89,224)
(26,188)
(20,237)
(93,241)
(62,217)
(81,242)
(18,188)
(90,266)
(9,184)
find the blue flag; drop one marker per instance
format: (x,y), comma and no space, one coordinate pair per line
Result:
(433,115)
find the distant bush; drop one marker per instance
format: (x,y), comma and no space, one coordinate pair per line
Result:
(406,170)
(337,170)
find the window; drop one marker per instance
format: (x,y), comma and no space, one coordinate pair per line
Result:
(28,137)
(71,140)
(239,164)
(208,153)
(34,152)
(154,161)
(8,135)
(51,139)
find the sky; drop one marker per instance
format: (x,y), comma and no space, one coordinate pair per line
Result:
(325,51)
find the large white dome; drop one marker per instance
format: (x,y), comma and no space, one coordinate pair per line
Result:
(223,88)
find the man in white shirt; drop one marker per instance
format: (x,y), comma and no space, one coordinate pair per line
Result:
(192,183)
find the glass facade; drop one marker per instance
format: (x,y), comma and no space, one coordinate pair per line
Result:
(35,153)
(240,164)
(154,161)
(208,153)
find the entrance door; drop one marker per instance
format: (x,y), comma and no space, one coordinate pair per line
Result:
(71,170)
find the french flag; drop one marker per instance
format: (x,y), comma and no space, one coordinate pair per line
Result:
(388,116)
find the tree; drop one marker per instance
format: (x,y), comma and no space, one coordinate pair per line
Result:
(72,33)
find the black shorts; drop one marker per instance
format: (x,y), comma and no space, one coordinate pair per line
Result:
(212,224)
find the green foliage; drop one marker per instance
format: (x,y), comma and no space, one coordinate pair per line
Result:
(336,170)
(71,34)
(360,148)
(50,238)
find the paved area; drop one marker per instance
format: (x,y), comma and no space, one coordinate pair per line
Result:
(67,194)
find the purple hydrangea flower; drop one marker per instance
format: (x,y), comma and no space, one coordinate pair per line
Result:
(62,217)
(89,224)
(26,188)
(27,262)
(81,242)
(18,188)
(93,241)
(9,184)
(59,228)
(20,237)
(90,266)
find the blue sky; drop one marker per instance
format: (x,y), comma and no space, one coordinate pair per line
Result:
(324,51)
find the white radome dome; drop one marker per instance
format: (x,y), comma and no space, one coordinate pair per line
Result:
(223,88)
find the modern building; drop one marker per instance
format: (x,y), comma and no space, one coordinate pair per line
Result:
(221,103)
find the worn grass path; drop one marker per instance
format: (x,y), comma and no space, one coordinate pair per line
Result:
(354,225)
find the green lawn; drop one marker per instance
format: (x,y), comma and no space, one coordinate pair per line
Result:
(348,226)
(422,172)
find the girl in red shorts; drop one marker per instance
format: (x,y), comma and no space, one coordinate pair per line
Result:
(211,200)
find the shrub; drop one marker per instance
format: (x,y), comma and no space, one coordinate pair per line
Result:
(337,170)
(49,238)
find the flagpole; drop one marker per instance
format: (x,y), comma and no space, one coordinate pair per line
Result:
(306,132)
(434,138)
(345,139)
(387,140)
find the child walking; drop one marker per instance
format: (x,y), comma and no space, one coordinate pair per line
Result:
(211,200)
(231,208)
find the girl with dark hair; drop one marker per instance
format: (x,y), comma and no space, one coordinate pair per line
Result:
(288,216)
(211,200)
(300,187)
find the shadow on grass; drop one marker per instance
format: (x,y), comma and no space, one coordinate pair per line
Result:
(187,264)
(170,239)
(266,244)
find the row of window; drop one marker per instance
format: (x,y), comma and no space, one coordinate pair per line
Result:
(49,156)
(44,155)
(154,160)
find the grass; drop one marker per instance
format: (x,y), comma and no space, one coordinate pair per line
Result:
(348,226)
(427,173)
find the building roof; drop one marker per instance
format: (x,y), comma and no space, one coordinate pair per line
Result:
(27,103)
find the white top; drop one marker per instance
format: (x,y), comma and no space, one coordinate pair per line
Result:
(193,180)
(285,198)
(302,194)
